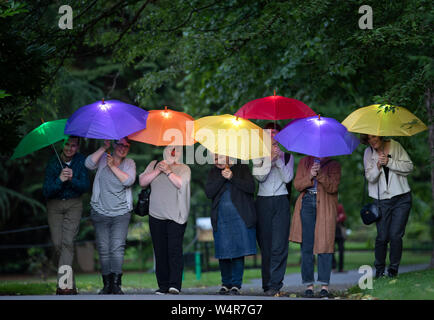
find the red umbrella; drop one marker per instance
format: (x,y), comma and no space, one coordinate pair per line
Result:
(275,108)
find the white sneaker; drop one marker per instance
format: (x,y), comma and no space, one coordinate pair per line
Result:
(173,290)
(160,292)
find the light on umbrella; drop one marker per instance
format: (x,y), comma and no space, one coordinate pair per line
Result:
(232,136)
(317,136)
(166,127)
(384,120)
(110,119)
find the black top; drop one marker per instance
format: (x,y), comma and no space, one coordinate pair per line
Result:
(242,190)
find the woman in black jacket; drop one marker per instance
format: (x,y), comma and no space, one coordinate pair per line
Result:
(233,218)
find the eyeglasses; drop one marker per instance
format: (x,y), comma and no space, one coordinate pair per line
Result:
(122,145)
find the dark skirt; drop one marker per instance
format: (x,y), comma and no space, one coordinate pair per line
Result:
(232,239)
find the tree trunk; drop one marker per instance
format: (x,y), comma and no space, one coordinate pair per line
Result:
(429,99)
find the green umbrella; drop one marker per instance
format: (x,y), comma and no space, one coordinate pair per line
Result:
(46,134)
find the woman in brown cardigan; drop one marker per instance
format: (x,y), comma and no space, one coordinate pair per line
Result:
(314,220)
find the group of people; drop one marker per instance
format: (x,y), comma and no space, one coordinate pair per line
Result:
(239,221)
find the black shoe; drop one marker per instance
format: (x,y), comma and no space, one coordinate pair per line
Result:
(223,290)
(107,280)
(235,291)
(379,274)
(116,283)
(392,273)
(324,293)
(308,293)
(271,292)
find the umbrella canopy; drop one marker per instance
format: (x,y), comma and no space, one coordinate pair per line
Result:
(384,120)
(317,136)
(275,108)
(46,134)
(110,119)
(232,136)
(166,127)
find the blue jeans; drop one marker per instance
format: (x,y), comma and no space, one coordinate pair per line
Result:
(110,235)
(232,271)
(308,221)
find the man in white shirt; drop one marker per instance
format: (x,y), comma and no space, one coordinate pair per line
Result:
(273,213)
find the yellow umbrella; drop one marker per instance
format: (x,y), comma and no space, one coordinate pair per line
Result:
(384,120)
(232,136)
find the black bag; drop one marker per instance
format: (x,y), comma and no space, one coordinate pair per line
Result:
(371,212)
(142,206)
(289,184)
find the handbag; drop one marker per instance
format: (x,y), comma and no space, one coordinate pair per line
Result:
(371,212)
(142,206)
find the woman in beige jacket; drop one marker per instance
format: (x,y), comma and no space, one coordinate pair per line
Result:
(314,220)
(387,166)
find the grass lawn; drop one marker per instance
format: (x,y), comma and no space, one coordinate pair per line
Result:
(142,280)
(417,285)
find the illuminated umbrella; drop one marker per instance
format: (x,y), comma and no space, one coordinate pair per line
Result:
(317,136)
(112,120)
(275,108)
(384,120)
(166,127)
(232,136)
(46,134)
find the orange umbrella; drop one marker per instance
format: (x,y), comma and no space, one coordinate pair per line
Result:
(166,127)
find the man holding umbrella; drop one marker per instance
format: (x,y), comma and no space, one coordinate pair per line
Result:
(66,179)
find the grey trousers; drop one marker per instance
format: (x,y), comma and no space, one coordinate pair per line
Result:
(110,235)
(64,221)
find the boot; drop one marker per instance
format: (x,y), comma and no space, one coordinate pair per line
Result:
(107,281)
(116,284)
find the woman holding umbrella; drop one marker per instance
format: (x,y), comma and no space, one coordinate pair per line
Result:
(111,206)
(169,207)
(314,221)
(233,218)
(387,166)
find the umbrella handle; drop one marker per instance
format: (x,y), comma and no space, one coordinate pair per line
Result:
(58,158)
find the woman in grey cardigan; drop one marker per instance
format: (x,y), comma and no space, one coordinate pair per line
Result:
(111,206)
(169,207)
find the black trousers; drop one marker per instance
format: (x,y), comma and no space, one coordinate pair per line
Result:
(272,232)
(391,229)
(167,237)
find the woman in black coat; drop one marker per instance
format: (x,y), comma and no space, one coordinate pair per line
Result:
(233,218)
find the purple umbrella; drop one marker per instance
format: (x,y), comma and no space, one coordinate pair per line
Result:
(110,119)
(317,136)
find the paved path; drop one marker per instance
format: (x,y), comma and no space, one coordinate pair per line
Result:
(339,282)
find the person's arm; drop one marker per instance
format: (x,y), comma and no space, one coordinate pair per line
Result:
(149,174)
(286,171)
(214,183)
(52,183)
(303,178)
(92,160)
(372,172)
(330,176)
(126,177)
(173,177)
(401,163)
(261,169)
(80,179)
